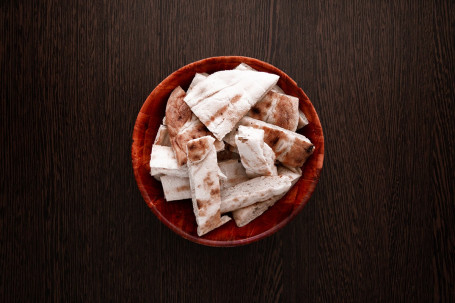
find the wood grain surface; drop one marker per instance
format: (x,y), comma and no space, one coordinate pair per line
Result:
(379,227)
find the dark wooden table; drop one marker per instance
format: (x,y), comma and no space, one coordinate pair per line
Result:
(379,227)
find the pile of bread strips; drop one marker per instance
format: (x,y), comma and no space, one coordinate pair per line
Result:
(229,143)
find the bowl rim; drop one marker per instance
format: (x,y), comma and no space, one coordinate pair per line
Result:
(266,233)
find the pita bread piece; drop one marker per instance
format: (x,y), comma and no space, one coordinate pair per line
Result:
(205,185)
(290,148)
(252,191)
(303,121)
(278,109)
(175,188)
(245,215)
(256,156)
(162,136)
(244,66)
(224,97)
(198,77)
(163,162)
(182,125)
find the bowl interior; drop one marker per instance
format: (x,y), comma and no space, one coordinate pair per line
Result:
(178,215)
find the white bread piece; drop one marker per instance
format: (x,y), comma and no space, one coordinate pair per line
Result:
(163,162)
(278,109)
(205,184)
(230,137)
(198,77)
(162,136)
(303,121)
(245,215)
(290,148)
(224,97)
(183,125)
(252,191)
(244,66)
(256,156)
(175,188)
(234,171)
(164,121)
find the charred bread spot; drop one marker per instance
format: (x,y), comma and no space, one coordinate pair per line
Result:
(197,149)
(298,153)
(208,180)
(214,191)
(236,98)
(310,149)
(182,188)
(255,110)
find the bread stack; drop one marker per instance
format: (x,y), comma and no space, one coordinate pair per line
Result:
(229,144)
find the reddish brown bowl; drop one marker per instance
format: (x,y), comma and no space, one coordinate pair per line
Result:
(178,215)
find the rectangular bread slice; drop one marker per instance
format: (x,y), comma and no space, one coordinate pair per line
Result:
(204,183)
(245,215)
(253,190)
(176,188)
(163,162)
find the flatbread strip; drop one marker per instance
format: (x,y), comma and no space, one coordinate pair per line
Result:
(224,97)
(291,149)
(205,184)
(163,162)
(182,125)
(245,215)
(175,188)
(253,190)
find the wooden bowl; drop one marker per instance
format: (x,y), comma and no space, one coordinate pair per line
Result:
(178,215)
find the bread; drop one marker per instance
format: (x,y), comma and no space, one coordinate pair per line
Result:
(256,156)
(290,148)
(278,109)
(223,98)
(175,188)
(234,171)
(163,162)
(245,215)
(244,66)
(182,125)
(198,77)
(253,190)
(303,121)
(162,136)
(204,183)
